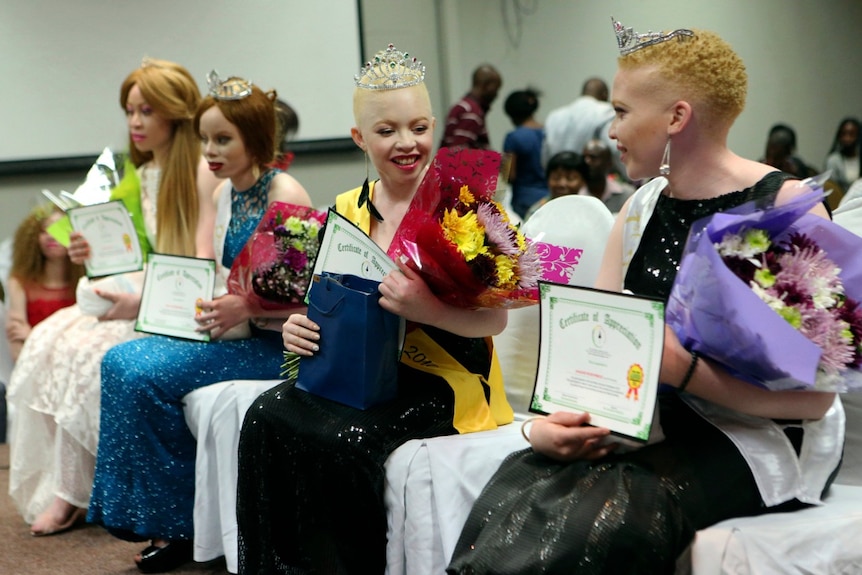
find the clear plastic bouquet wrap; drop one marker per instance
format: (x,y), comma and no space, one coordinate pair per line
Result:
(773,294)
(462,243)
(274,268)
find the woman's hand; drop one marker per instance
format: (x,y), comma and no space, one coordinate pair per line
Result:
(566,436)
(219,315)
(17,331)
(79,248)
(407,295)
(300,335)
(125,306)
(675,359)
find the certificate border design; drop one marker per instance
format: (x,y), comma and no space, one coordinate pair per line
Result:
(551,295)
(158,261)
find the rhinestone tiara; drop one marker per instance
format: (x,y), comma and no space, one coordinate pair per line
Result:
(230,89)
(390,69)
(629,41)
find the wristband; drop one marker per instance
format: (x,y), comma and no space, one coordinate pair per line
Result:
(687,377)
(529,421)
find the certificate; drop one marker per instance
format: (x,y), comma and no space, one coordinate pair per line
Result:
(345,249)
(113,240)
(173,287)
(599,352)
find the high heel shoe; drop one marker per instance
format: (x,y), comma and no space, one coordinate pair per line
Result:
(155,559)
(76,518)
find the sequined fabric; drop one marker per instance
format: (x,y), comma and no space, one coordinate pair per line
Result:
(310,492)
(144,483)
(656,261)
(631,513)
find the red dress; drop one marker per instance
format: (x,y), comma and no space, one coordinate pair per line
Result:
(43,301)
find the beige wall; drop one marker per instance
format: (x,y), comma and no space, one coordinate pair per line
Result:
(801,56)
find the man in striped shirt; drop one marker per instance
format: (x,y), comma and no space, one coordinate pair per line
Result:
(465,123)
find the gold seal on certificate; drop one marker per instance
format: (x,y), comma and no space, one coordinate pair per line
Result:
(345,249)
(599,352)
(113,240)
(173,287)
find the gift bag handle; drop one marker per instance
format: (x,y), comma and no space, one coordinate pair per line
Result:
(326,282)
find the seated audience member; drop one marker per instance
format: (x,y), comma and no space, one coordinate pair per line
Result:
(311,471)
(524,143)
(465,124)
(781,152)
(144,481)
(567,175)
(573,503)
(602,183)
(42,279)
(845,156)
(55,386)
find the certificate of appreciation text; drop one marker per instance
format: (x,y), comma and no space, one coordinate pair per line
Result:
(113,240)
(600,352)
(173,286)
(345,249)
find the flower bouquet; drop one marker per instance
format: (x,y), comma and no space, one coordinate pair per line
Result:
(274,268)
(462,243)
(773,294)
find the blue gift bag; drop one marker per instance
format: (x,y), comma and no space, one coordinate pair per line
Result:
(357,364)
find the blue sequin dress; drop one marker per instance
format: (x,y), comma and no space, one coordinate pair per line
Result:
(144,484)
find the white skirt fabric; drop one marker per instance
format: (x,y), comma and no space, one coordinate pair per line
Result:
(55,391)
(214,414)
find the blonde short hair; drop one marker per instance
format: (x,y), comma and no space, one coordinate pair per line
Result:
(703,69)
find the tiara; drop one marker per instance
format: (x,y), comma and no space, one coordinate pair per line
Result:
(629,41)
(230,89)
(390,69)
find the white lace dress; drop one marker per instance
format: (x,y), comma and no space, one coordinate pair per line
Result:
(55,391)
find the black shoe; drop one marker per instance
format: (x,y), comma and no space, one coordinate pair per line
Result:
(162,559)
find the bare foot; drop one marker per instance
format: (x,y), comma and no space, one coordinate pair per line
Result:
(59,517)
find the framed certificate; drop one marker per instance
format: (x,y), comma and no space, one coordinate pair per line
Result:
(345,249)
(173,285)
(599,352)
(113,240)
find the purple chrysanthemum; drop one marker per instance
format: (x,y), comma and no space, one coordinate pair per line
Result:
(497,231)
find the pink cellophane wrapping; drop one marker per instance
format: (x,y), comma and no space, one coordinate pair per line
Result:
(274,268)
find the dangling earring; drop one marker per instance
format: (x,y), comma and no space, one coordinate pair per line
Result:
(365,195)
(664,168)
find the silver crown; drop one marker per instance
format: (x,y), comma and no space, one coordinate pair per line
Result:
(230,89)
(629,41)
(390,69)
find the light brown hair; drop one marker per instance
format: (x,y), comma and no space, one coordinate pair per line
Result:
(173,93)
(28,261)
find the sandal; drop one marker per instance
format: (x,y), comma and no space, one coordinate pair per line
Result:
(155,559)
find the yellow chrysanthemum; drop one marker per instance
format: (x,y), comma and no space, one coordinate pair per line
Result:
(504,216)
(505,271)
(465,232)
(465,196)
(522,241)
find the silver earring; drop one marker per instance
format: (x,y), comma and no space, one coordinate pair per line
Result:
(664,168)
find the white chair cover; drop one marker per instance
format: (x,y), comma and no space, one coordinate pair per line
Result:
(573,221)
(214,414)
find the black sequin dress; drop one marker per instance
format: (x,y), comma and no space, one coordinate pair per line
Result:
(311,471)
(631,513)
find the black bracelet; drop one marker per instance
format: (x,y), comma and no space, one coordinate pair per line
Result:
(687,378)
